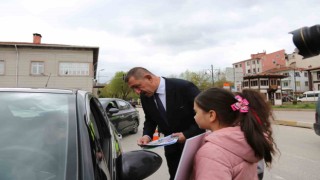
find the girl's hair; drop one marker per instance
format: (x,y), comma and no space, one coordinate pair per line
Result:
(255,123)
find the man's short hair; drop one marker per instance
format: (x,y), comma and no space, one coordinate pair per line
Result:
(136,72)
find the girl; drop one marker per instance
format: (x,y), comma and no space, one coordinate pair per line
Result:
(241,134)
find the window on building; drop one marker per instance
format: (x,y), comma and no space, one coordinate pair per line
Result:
(273,82)
(285,84)
(306,83)
(296,74)
(236,66)
(74,69)
(248,63)
(258,70)
(254,70)
(249,71)
(305,74)
(257,61)
(264,83)
(1,67)
(298,83)
(245,84)
(286,74)
(37,68)
(254,83)
(240,65)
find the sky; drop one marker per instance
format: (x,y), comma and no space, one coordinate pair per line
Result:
(167,37)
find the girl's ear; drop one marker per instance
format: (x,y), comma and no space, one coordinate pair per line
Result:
(212,116)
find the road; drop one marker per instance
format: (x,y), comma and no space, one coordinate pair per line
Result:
(299,147)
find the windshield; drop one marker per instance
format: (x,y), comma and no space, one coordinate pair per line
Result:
(33,135)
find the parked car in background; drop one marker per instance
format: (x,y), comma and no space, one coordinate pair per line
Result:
(309,96)
(133,103)
(287,98)
(122,114)
(52,134)
(316,125)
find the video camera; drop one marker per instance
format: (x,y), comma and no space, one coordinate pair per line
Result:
(307,40)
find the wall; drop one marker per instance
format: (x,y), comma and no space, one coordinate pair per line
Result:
(51,59)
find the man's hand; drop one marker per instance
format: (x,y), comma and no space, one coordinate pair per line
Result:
(143,140)
(181,139)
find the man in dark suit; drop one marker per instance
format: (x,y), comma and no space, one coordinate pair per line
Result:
(173,116)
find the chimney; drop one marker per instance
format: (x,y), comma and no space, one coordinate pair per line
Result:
(37,38)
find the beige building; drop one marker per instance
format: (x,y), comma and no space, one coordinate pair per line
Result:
(39,65)
(311,64)
(296,60)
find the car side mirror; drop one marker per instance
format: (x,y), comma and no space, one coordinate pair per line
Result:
(112,111)
(139,164)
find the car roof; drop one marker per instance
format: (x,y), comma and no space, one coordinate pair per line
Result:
(110,99)
(41,90)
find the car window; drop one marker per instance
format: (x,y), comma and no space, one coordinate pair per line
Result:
(112,104)
(99,141)
(123,105)
(34,133)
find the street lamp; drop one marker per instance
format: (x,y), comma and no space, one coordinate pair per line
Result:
(99,75)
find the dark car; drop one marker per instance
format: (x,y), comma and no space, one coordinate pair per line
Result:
(316,125)
(287,98)
(122,114)
(51,134)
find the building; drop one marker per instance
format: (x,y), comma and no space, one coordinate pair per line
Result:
(314,78)
(258,63)
(311,65)
(295,58)
(38,65)
(268,84)
(296,82)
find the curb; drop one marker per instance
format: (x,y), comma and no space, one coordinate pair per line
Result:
(294,123)
(283,109)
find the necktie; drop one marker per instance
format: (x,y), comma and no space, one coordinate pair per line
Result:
(161,108)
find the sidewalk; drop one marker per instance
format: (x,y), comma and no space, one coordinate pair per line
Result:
(294,123)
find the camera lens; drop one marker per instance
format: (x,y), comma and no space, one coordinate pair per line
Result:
(307,40)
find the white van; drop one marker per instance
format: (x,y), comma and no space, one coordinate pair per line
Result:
(309,96)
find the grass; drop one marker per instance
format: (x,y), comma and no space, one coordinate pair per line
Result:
(299,105)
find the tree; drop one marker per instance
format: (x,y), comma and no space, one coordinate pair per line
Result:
(200,79)
(117,88)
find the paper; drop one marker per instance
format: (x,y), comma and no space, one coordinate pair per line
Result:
(190,148)
(168,140)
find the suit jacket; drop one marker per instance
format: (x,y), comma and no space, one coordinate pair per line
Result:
(180,96)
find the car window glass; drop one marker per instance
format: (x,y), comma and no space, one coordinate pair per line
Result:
(112,104)
(123,105)
(99,140)
(34,133)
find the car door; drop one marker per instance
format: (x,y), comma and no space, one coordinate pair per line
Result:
(127,115)
(115,118)
(100,139)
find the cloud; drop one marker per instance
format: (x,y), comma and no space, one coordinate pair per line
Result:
(167,37)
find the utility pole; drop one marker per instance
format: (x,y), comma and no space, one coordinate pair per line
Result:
(212,75)
(295,85)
